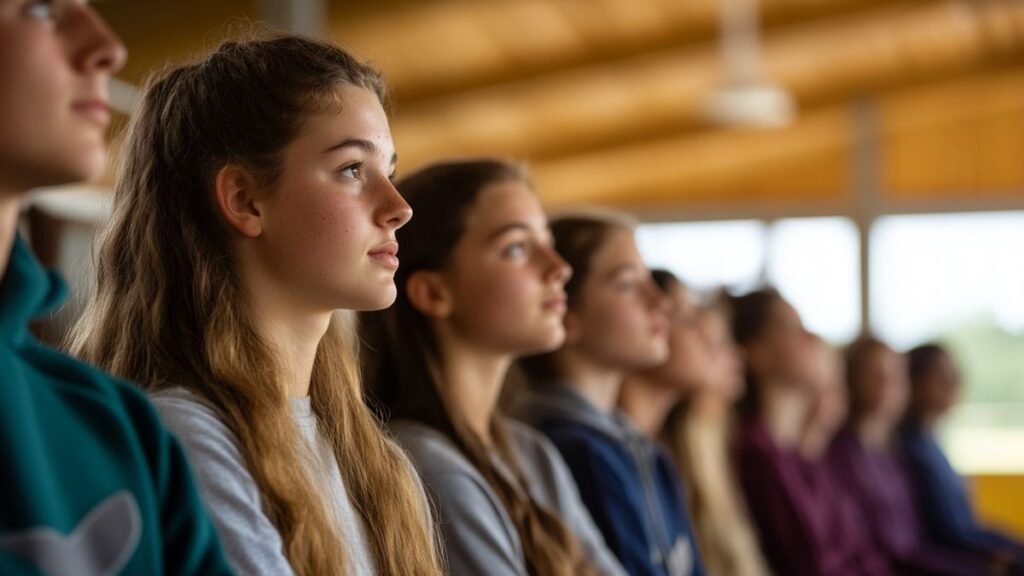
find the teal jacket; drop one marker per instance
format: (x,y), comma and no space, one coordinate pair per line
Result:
(90,482)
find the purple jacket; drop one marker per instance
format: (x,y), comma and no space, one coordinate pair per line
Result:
(808,524)
(879,484)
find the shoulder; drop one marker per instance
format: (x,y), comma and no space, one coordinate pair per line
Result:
(432,453)
(576,441)
(210,445)
(74,391)
(189,415)
(531,444)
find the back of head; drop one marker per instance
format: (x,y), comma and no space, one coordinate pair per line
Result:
(401,361)
(922,359)
(750,316)
(171,308)
(858,357)
(934,382)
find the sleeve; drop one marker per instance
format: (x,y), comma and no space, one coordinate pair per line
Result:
(579,519)
(474,532)
(190,543)
(787,542)
(251,541)
(675,486)
(613,506)
(945,505)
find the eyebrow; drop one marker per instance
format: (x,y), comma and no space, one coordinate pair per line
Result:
(508,228)
(629,267)
(364,145)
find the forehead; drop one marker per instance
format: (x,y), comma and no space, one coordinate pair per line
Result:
(352,112)
(619,250)
(503,203)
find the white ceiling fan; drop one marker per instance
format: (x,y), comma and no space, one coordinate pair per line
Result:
(745,98)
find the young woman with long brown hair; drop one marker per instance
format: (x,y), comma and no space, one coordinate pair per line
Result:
(255,200)
(616,324)
(479,285)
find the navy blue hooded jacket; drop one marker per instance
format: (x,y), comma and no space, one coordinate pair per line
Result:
(627,482)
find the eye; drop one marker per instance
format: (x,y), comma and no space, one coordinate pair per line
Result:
(40,10)
(353,171)
(515,250)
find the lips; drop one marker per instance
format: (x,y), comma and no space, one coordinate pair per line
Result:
(386,255)
(95,109)
(555,304)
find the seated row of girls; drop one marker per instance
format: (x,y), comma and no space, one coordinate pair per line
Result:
(484,281)
(688,403)
(794,403)
(870,457)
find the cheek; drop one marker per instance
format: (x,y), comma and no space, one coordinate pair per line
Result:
(316,242)
(686,357)
(621,329)
(37,127)
(504,305)
(323,227)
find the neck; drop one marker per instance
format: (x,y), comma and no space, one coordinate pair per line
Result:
(8,227)
(291,326)
(647,403)
(874,433)
(923,420)
(473,379)
(814,442)
(296,343)
(598,384)
(784,412)
(709,406)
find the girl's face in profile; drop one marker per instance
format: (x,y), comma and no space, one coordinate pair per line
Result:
(505,280)
(328,236)
(56,58)
(621,320)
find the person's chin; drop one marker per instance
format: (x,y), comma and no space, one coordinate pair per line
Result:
(547,340)
(72,170)
(379,299)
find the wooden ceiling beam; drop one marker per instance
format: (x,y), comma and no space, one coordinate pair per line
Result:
(461,46)
(631,101)
(956,135)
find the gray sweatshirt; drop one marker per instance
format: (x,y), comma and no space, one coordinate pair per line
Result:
(251,541)
(478,536)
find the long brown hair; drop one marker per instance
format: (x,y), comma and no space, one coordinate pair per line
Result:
(402,355)
(171,309)
(751,314)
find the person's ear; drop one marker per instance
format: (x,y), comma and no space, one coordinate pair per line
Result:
(429,294)
(235,188)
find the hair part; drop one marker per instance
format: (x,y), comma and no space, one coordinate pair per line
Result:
(171,308)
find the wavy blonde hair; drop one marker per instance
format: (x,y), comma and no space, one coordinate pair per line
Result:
(171,308)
